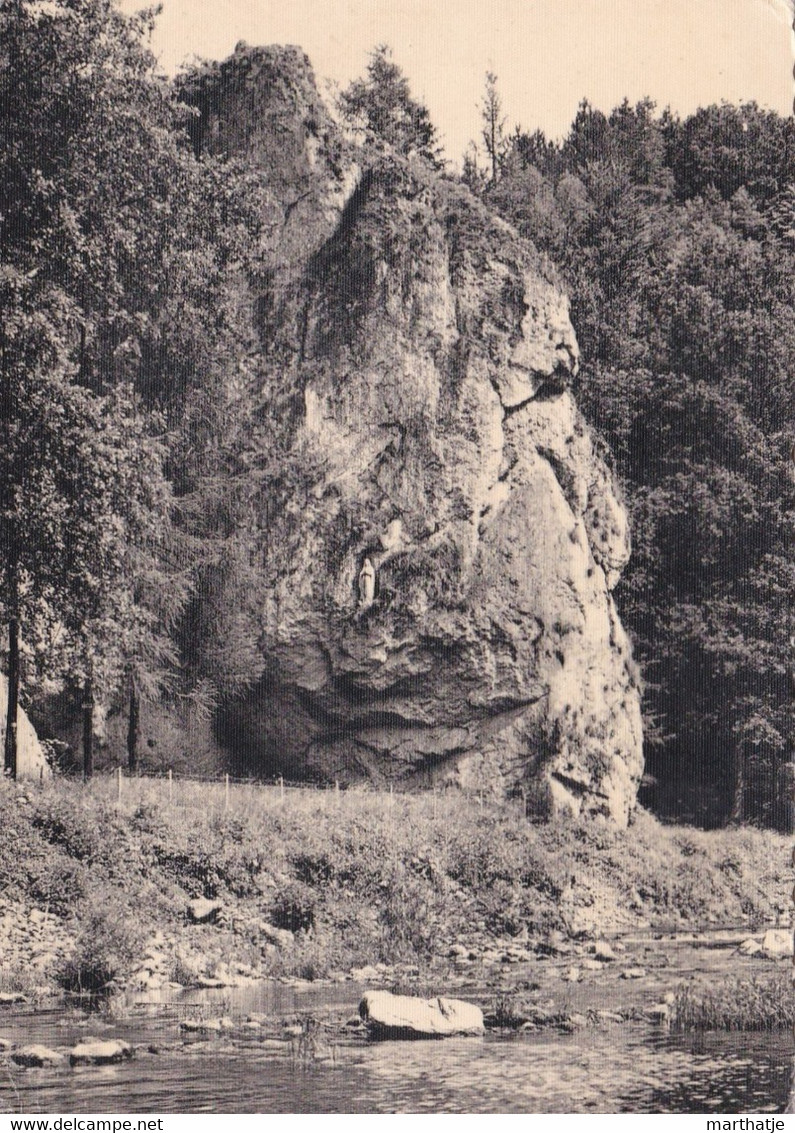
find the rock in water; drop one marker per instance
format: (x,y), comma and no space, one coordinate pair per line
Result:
(200,1025)
(390,1016)
(97,1052)
(35,1056)
(417,357)
(602,951)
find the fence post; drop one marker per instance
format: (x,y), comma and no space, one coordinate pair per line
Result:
(281,788)
(434,804)
(337,792)
(170,786)
(226,792)
(118,784)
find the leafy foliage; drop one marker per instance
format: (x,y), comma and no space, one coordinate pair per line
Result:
(381,105)
(108,942)
(121,350)
(675,240)
(88,156)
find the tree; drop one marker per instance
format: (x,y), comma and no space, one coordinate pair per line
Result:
(89,160)
(472,175)
(727,147)
(493,132)
(675,240)
(381,104)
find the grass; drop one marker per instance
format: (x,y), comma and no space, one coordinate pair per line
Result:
(738,1004)
(359,877)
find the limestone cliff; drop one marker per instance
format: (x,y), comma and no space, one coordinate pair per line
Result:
(421,356)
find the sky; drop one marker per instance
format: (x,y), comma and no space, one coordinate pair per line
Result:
(547,54)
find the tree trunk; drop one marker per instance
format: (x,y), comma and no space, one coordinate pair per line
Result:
(784,816)
(738,806)
(88,728)
(7,415)
(133,728)
(10,752)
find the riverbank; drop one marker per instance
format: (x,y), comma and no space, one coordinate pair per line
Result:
(217,890)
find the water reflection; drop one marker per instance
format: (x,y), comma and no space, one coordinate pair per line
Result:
(628,1068)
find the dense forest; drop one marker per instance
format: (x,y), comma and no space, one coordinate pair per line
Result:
(124,362)
(676,239)
(136,449)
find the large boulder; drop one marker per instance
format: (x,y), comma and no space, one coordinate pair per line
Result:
(390,1016)
(418,361)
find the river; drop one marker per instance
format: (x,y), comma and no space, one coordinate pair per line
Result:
(620,1068)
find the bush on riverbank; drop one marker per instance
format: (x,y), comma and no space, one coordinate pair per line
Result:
(108,943)
(357,877)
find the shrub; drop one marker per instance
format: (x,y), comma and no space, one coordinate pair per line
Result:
(414,916)
(62,822)
(482,855)
(294,908)
(503,909)
(507,1012)
(58,884)
(107,944)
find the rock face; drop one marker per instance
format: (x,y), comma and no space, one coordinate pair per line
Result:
(420,358)
(31,763)
(390,1016)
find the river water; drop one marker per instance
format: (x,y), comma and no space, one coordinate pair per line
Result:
(631,1067)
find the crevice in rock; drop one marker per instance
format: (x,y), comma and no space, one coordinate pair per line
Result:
(564,476)
(359,692)
(431,760)
(573,785)
(353,206)
(293,205)
(510,410)
(401,431)
(503,476)
(351,729)
(551,388)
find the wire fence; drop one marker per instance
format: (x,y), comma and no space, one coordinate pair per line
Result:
(231,794)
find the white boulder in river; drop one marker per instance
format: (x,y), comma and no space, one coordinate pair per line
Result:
(405,1017)
(96,1052)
